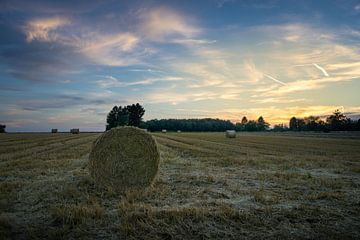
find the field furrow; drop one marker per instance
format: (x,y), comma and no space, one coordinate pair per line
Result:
(255,186)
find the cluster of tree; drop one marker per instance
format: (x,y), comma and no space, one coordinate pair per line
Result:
(252,125)
(189,125)
(280,128)
(130,115)
(2,128)
(335,122)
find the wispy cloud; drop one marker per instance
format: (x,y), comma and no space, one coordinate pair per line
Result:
(110,81)
(275,80)
(43,29)
(112,50)
(160,24)
(321,69)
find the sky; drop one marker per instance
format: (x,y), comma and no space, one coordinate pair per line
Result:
(65,64)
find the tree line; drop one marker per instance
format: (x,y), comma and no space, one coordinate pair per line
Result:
(335,122)
(131,115)
(189,125)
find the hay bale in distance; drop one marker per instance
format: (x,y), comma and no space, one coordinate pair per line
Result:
(230,134)
(124,158)
(178,131)
(163,131)
(54,130)
(75,131)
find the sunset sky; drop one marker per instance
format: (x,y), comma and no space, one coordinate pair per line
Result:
(65,64)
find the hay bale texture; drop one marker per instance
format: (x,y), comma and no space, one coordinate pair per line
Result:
(230,134)
(123,158)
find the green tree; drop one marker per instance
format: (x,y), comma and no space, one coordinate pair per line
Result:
(312,123)
(136,112)
(293,124)
(241,125)
(118,116)
(337,121)
(122,116)
(244,120)
(111,119)
(261,124)
(280,128)
(251,126)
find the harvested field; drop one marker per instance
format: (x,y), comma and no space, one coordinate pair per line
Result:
(261,185)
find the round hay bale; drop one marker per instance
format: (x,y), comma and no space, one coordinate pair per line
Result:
(123,158)
(230,134)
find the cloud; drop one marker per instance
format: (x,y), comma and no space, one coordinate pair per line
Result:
(50,7)
(160,24)
(112,50)
(191,42)
(39,62)
(274,79)
(321,69)
(305,85)
(110,81)
(252,72)
(58,102)
(43,29)
(357,8)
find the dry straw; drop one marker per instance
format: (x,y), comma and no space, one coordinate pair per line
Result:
(230,134)
(123,158)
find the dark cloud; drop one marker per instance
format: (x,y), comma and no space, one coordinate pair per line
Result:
(35,61)
(51,7)
(58,101)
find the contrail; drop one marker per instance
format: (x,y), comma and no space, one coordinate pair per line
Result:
(321,69)
(275,80)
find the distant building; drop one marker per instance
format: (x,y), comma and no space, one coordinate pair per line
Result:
(54,130)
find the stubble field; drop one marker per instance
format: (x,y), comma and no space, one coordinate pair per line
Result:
(259,185)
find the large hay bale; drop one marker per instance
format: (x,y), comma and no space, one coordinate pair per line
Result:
(123,158)
(230,134)
(163,131)
(75,131)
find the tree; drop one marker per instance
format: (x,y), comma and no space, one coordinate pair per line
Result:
(136,112)
(118,116)
(301,124)
(244,120)
(311,123)
(111,119)
(280,128)
(337,121)
(251,126)
(122,116)
(2,128)
(189,125)
(293,124)
(261,124)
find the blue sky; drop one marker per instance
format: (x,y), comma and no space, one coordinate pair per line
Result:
(65,64)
